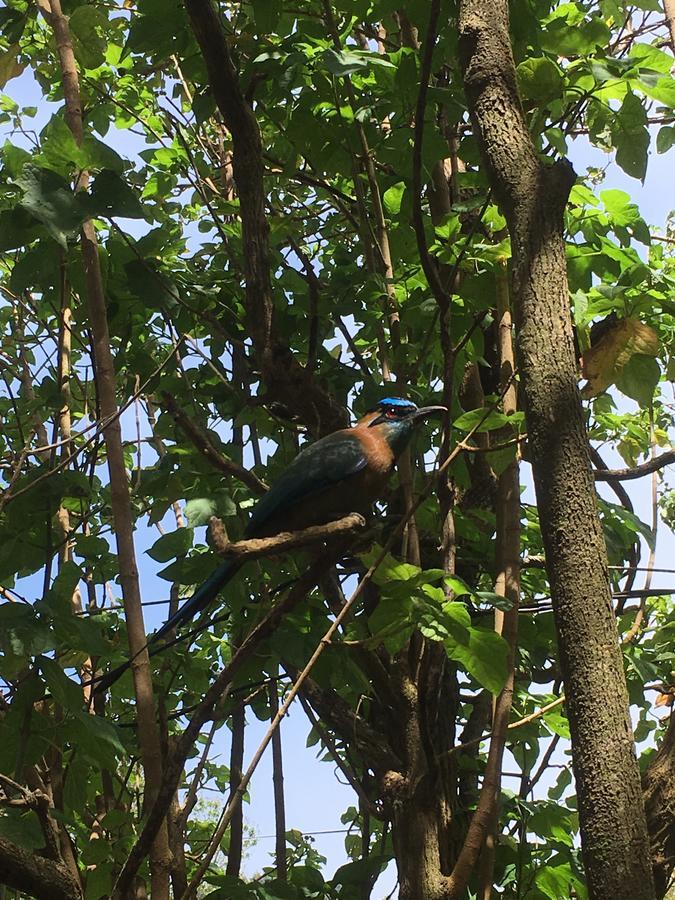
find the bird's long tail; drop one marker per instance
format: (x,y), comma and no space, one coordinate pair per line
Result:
(202,597)
(205,594)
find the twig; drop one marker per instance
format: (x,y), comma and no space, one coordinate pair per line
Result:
(634,630)
(285,379)
(103,423)
(545,760)
(428,265)
(537,714)
(204,445)
(278,785)
(174,764)
(337,759)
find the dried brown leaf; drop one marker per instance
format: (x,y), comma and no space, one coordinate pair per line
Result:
(601,365)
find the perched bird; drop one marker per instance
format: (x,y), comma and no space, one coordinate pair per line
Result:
(344,472)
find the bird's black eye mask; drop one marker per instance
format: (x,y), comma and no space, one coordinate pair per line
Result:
(392,413)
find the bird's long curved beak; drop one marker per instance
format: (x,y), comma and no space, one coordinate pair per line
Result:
(425,411)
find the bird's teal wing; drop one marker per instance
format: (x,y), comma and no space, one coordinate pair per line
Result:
(317,467)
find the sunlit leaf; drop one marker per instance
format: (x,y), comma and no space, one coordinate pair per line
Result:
(539,79)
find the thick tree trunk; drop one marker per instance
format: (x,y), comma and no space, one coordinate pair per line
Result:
(533,197)
(659,794)
(415,832)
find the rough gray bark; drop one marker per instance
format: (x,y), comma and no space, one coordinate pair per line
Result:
(533,197)
(34,875)
(659,793)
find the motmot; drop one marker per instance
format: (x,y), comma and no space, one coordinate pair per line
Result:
(346,471)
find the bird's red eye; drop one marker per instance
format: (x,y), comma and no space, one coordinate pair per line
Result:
(391,413)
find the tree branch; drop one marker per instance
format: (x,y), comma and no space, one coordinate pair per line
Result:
(254,548)
(286,381)
(646,468)
(34,875)
(204,445)
(353,729)
(337,759)
(428,264)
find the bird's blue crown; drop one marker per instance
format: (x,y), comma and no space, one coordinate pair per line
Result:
(396,404)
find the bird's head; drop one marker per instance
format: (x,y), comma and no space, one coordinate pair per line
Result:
(395,419)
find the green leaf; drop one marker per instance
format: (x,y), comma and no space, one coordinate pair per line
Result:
(87,27)
(66,693)
(15,615)
(392,198)
(486,421)
(90,546)
(539,79)
(496,600)
(343,62)
(458,587)
(639,377)
(631,137)
(98,738)
(63,586)
(555,881)
(619,206)
(650,57)
(13,23)
(354,875)
(636,525)
(267,14)
(22,828)
(485,657)
(200,510)
(557,722)
(99,878)
(61,152)
(500,460)
(665,138)
(111,196)
(574,39)
(18,228)
(49,198)
(14,158)
(59,149)
(659,88)
(390,569)
(99,155)
(169,546)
